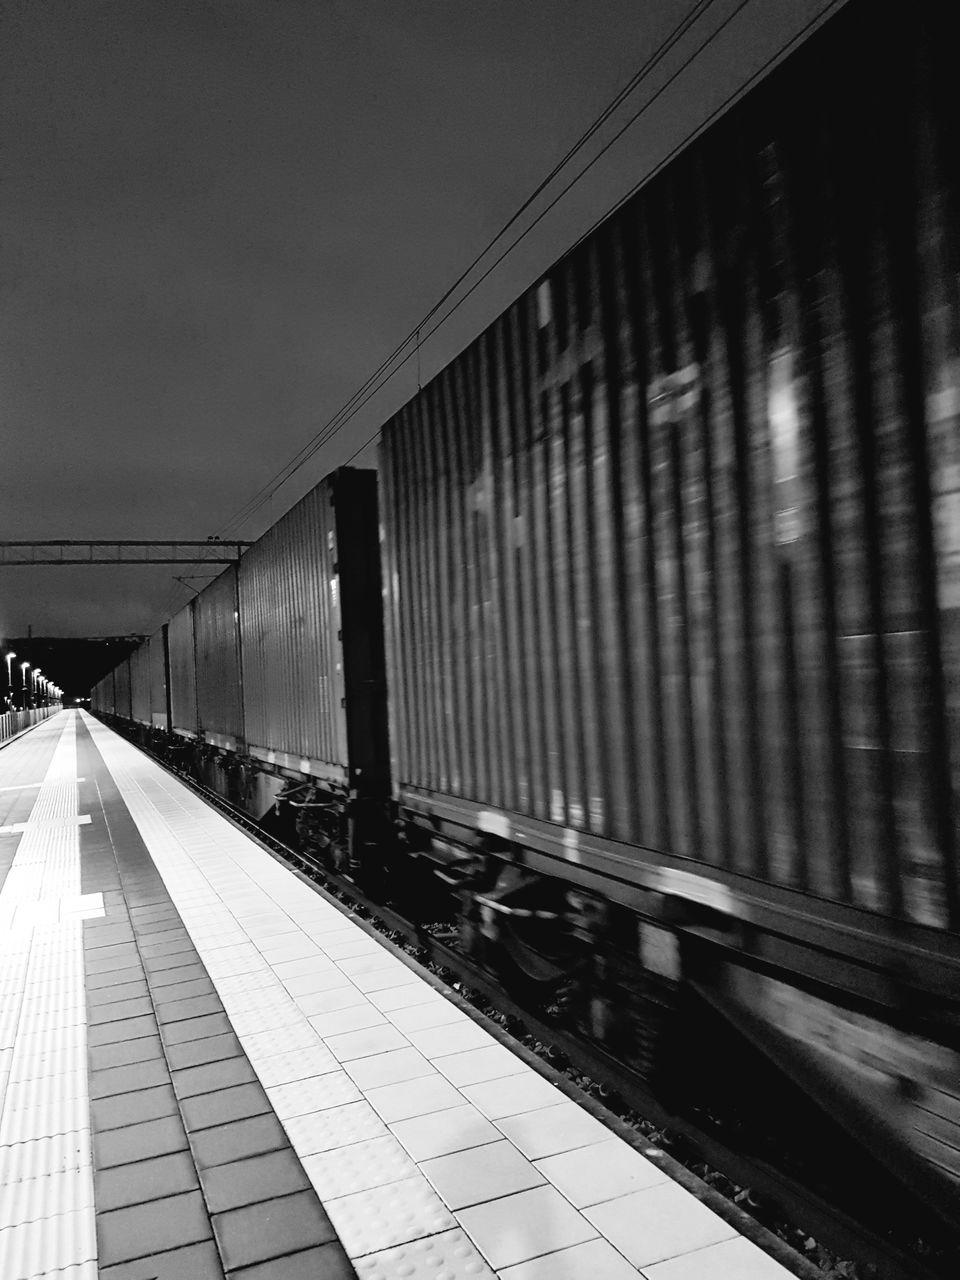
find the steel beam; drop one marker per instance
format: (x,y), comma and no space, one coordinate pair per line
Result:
(120,551)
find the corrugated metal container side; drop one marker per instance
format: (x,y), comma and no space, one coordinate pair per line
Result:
(140,683)
(122,685)
(157,651)
(673,550)
(182,672)
(292,621)
(217,638)
(289,620)
(99,695)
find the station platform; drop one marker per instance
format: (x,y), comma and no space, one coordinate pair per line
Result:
(207,1071)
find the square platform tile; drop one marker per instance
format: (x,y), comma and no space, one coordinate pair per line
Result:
(400,997)
(388,1068)
(477,1065)
(339,994)
(455,1037)
(366,1042)
(347,930)
(512,1095)
(297,948)
(433,1011)
(523,1226)
(658,1223)
(385,979)
(443,1132)
(356,1018)
(732,1260)
(285,969)
(343,949)
(550,1130)
(480,1173)
(414,1097)
(375,960)
(269,924)
(595,1260)
(603,1171)
(320,979)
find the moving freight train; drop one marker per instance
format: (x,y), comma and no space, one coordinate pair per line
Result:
(649,665)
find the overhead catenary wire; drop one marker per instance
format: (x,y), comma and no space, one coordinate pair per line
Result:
(385,372)
(611,209)
(351,406)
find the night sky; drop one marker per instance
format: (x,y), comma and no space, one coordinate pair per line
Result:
(217,217)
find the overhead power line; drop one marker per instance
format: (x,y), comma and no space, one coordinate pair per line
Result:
(393,363)
(360,396)
(652,173)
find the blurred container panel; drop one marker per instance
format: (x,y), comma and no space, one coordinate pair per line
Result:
(311,621)
(183,673)
(140,683)
(217,639)
(101,696)
(671,549)
(122,705)
(159,706)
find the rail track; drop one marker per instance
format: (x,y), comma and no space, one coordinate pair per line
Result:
(787,1214)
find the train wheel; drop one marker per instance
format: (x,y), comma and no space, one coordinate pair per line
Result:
(532,948)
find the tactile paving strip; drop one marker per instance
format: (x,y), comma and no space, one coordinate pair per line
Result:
(447,1256)
(168,1075)
(394,1214)
(46,1196)
(39,1248)
(358,1167)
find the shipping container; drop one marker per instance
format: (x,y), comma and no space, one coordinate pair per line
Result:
(101,696)
(140,693)
(217,641)
(182,672)
(122,685)
(311,621)
(673,549)
(159,706)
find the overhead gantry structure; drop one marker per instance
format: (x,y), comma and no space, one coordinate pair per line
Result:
(114,551)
